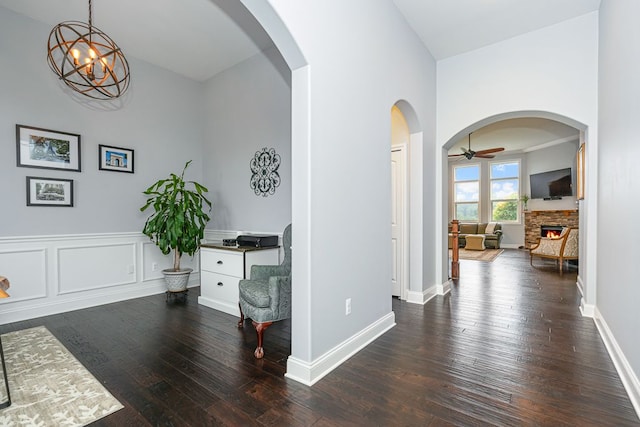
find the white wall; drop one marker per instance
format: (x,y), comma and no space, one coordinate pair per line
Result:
(618,204)
(356,72)
(247,107)
(161,121)
(549,73)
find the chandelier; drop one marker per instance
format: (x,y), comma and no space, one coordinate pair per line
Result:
(87,60)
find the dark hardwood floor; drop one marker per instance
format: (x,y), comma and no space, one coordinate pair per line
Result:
(507,347)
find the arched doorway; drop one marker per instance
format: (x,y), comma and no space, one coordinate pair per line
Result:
(581,205)
(412,135)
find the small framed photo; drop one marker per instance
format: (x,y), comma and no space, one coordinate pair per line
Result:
(115,159)
(47,149)
(49,191)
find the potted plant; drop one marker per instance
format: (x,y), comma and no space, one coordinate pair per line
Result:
(524,198)
(177,223)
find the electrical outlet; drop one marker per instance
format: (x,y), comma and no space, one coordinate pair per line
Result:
(348,306)
(130,269)
(154,266)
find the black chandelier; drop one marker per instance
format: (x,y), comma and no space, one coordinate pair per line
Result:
(87,60)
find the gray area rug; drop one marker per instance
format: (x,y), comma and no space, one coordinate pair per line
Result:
(488,255)
(48,386)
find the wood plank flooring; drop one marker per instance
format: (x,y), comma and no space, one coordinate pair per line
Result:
(507,347)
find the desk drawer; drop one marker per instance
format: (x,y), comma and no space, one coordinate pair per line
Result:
(222,262)
(219,287)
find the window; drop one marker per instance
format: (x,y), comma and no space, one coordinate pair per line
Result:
(505,191)
(467,192)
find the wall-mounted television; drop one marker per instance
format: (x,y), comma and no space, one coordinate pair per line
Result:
(551,185)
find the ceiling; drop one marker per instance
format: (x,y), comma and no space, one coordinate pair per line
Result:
(452,27)
(194,38)
(200,38)
(518,136)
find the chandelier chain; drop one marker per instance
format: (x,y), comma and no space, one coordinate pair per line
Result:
(90,14)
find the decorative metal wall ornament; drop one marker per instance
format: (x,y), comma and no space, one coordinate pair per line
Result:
(264,169)
(87,60)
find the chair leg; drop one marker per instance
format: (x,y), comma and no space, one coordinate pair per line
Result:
(260,327)
(241,322)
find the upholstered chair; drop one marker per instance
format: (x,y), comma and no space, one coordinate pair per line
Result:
(266,296)
(561,249)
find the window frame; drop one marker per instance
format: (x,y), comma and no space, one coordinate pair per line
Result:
(479,181)
(491,180)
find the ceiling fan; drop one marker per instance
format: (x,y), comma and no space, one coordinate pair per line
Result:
(470,154)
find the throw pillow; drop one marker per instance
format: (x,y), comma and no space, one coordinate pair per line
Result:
(491,228)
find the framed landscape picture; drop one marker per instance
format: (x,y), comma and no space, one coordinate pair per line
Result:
(49,191)
(115,159)
(47,149)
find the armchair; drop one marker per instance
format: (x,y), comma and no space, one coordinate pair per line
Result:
(560,249)
(266,296)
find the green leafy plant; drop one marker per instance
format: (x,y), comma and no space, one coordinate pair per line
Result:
(524,199)
(179,218)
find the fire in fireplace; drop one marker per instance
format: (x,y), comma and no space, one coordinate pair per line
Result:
(551,231)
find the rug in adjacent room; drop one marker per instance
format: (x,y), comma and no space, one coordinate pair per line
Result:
(48,385)
(488,255)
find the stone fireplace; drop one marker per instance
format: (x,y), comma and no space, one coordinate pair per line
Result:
(534,220)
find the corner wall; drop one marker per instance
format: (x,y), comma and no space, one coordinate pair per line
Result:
(617,313)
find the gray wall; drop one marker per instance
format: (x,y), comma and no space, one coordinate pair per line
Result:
(618,292)
(247,108)
(165,118)
(161,120)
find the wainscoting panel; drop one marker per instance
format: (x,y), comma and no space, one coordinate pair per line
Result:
(83,268)
(59,273)
(26,270)
(153,262)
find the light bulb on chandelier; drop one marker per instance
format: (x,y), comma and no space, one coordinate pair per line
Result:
(87,60)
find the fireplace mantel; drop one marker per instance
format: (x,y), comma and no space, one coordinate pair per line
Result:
(534,219)
(564,211)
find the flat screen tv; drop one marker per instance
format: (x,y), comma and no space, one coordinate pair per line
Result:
(551,185)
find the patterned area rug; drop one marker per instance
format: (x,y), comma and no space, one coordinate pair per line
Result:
(48,385)
(488,255)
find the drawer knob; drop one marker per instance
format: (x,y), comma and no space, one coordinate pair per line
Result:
(220,262)
(220,284)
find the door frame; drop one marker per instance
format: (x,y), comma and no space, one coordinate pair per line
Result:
(404,232)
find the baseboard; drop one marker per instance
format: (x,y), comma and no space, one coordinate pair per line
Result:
(580,286)
(79,302)
(232,309)
(309,373)
(444,288)
(510,246)
(587,310)
(424,296)
(626,373)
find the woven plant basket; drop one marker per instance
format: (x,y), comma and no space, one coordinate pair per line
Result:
(177,280)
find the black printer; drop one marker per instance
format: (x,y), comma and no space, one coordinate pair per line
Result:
(257,240)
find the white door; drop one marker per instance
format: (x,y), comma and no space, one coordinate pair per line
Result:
(397,220)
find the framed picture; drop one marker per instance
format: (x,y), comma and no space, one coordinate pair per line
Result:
(49,191)
(580,173)
(115,159)
(47,149)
